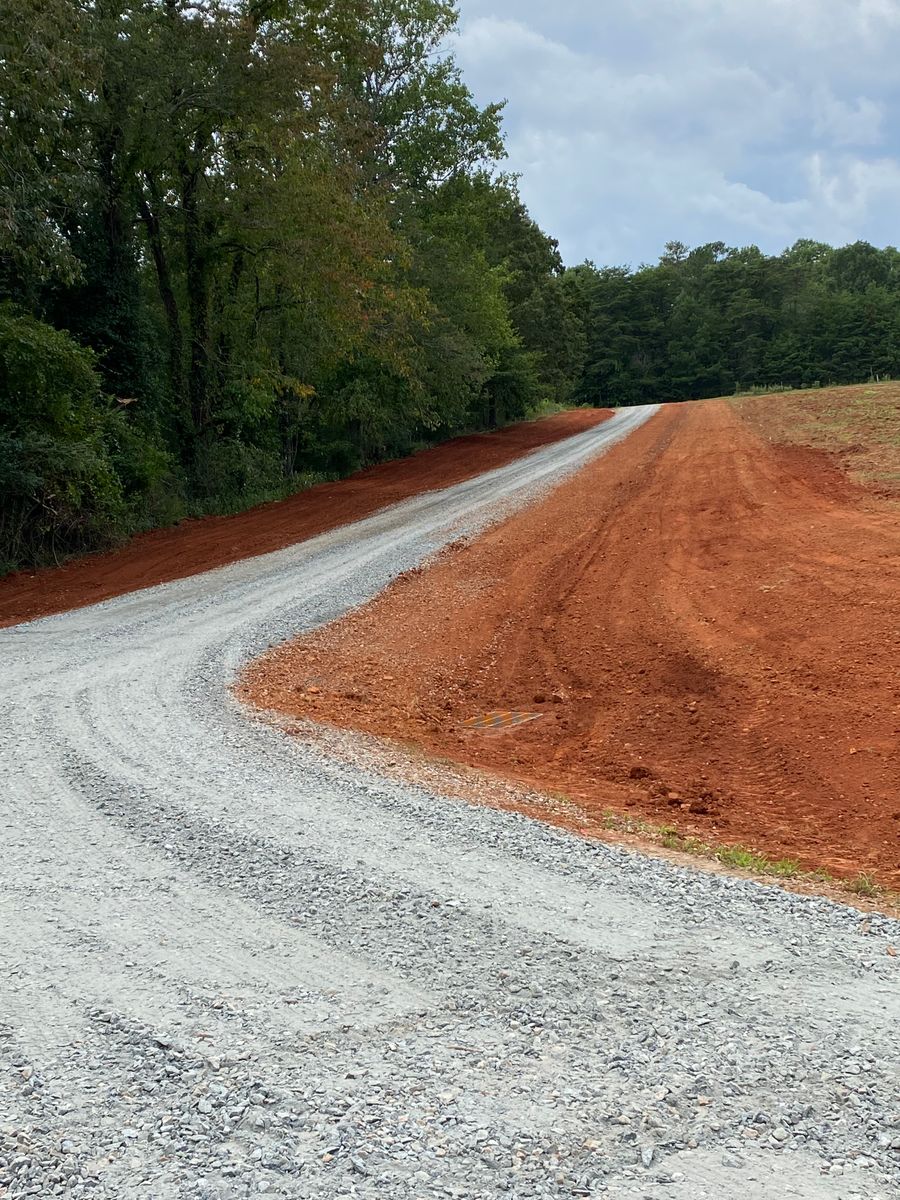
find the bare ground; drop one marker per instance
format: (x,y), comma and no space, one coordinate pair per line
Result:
(704,624)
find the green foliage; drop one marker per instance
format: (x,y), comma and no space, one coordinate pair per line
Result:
(864,885)
(425,126)
(514,389)
(273,236)
(44,65)
(59,490)
(714,320)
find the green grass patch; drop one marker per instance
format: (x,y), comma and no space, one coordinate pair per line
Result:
(864,885)
(773,389)
(741,858)
(751,860)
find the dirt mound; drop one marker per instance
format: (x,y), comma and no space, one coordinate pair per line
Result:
(200,545)
(709,636)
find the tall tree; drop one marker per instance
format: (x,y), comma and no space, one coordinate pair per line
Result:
(45,69)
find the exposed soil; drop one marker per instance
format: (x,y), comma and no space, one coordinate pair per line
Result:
(858,426)
(708,626)
(200,545)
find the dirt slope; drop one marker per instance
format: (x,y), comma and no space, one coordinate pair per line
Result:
(708,626)
(200,545)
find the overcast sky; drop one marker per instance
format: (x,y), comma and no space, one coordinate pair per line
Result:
(640,121)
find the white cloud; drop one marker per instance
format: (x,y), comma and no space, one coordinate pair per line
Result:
(858,122)
(850,188)
(696,119)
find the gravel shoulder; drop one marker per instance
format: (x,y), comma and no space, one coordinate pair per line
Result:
(233,965)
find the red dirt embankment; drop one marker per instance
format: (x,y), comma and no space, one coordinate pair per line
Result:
(199,545)
(708,626)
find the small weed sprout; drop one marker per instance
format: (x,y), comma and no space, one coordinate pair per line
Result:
(864,885)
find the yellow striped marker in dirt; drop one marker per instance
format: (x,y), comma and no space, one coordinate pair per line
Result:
(500,719)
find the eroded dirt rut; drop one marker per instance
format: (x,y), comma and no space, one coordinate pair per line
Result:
(708,628)
(231,966)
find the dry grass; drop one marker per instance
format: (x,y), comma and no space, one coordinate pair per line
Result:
(859,424)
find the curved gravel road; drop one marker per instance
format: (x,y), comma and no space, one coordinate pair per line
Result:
(232,967)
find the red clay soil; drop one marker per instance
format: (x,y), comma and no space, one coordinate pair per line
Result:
(709,627)
(200,545)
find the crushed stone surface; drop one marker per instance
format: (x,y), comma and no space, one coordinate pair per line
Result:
(233,966)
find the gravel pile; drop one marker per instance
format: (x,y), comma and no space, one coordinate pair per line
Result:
(235,965)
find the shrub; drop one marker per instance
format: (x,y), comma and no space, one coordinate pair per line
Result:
(229,474)
(59,490)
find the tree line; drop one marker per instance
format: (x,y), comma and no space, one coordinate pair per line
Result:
(249,244)
(715,320)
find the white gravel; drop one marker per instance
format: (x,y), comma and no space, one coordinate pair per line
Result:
(231,966)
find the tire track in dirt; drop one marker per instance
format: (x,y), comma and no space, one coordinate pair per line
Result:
(708,626)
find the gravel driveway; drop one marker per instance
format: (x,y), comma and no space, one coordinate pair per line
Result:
(231,966)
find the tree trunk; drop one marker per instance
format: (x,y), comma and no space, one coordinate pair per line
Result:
(225,342)
(197,283)
(150,218)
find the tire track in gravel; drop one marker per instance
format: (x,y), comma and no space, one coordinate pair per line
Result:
(233,966)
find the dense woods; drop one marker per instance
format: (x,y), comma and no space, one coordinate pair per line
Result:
(715,320)
(247,244)
(243,246)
